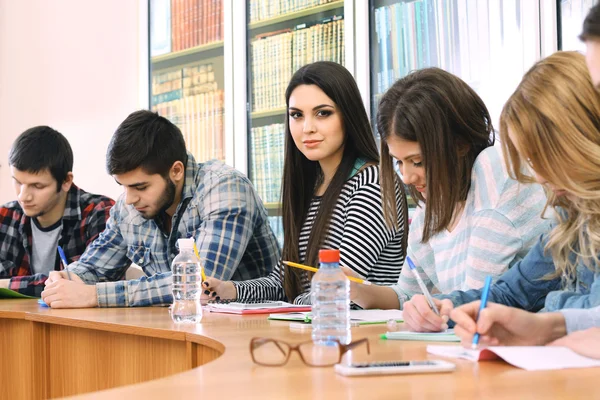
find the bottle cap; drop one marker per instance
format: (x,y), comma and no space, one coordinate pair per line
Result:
(329,256)
(185,243)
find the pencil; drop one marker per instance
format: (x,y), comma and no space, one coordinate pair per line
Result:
(201,267)
(312,269)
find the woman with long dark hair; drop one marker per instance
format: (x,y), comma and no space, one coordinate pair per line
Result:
(331,196)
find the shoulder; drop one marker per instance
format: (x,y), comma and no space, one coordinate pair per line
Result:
(214,172)
(94,201)
(10,211)
(489,179)
(367,177)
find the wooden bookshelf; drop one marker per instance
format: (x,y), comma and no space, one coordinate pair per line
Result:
(268,113)
(296,14)
(198,50)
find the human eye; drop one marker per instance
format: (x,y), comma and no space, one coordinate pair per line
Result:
(324,113)
(295,114)
(418,164)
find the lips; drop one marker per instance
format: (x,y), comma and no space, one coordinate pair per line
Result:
(420,188)
(311,143)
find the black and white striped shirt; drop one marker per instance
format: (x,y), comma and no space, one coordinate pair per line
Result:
(357,229)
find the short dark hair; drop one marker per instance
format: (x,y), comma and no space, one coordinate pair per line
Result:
(591,24)
(446,117)
(145,139)
(40,148)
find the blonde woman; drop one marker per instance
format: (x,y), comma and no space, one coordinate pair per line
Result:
(550,127)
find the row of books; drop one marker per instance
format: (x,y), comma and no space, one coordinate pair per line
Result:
(201,120)
(182,82)
(177,25)
(262,9)
(424,33)
(266,160)
(276,57)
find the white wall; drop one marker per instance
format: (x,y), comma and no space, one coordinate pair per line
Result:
(78,66)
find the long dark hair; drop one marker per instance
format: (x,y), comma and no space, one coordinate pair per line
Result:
(301,176)
(452,126)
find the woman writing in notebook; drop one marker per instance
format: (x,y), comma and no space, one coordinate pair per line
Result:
(472,219)
(331,196)
(550,131)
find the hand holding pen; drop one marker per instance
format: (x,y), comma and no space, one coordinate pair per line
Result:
(423,313)
(64,261)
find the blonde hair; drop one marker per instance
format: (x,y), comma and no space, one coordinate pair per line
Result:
(554,120)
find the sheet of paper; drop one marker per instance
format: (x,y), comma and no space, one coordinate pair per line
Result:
(11,294)
(530,358)
(375,316)
(446,336)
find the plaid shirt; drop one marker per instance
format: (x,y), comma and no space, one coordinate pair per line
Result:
(84,218)
(219,208)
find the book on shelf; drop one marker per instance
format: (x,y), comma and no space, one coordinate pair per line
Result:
(189,97)
(195,23)
(263,9)
(266,148)
(277,55)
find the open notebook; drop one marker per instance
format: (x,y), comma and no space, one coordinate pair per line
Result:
(362,317)
(11,294)
(530,358)
(445,336)
(262,307)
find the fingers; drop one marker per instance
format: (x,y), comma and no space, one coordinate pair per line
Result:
(53,277)
(209,289)
(464,317)
(420,318)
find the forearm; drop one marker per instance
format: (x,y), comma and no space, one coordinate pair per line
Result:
(553,327)
(375,296)
(30,285)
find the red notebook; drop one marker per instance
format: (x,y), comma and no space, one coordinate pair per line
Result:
(264,307)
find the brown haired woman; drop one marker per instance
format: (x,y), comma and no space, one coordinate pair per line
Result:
(472,219)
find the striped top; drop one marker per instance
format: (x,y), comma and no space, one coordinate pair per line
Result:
(357,228)
(500,222)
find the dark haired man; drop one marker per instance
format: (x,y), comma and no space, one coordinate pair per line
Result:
(590,35)
(167,196)
(50,211)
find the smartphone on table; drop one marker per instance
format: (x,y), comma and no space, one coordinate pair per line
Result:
(394,367)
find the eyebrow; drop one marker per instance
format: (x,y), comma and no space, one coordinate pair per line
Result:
(30,184)
(407,158)
(314,108)
(133,185)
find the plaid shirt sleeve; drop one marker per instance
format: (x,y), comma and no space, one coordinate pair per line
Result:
(228,210)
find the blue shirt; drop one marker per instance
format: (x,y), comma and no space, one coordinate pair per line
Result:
(523,286)
(219,208)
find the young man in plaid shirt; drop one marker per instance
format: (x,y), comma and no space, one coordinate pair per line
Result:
(167,196)
(50,211)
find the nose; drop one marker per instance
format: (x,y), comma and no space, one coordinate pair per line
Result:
(309,125)
(24,194)
(408,175)
(131,197)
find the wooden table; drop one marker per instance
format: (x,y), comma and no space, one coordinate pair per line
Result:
(140,353)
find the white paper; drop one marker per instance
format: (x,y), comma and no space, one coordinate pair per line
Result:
(530,358)
(445,336)
(375,315)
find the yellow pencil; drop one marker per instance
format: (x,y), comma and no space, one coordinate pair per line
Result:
(201,267)
(312,269)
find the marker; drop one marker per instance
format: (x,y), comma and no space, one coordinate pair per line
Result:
(482,305)
(422,286)
(61,253)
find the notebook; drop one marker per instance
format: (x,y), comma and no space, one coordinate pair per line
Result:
(258,307)
(11,294)
(362,317)
(530,358)
(446,336)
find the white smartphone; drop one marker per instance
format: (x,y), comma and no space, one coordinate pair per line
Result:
(395,367)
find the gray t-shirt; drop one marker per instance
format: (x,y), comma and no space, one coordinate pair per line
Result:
(580,319)
(45,242)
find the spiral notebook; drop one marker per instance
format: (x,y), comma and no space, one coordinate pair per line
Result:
(254,307)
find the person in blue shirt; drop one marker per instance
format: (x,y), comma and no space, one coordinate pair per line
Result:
(167,196)
(550,131)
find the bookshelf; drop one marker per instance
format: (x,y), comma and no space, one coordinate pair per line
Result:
(187,71)
(291,15)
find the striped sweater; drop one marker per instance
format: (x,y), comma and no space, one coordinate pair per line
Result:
(500,222)
(357,228)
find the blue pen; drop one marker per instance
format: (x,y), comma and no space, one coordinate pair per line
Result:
(61,253)
(484,300)
(422,286)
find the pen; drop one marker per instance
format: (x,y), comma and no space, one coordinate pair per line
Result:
(312,269)
(482,305)
(201,267)
(422,286)
(61,253)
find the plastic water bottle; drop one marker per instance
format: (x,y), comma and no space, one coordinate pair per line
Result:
(187,281)
(330,294)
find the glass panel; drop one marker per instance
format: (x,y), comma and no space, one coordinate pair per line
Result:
(572,13)
(488,43)
(282,36)
(187,82)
